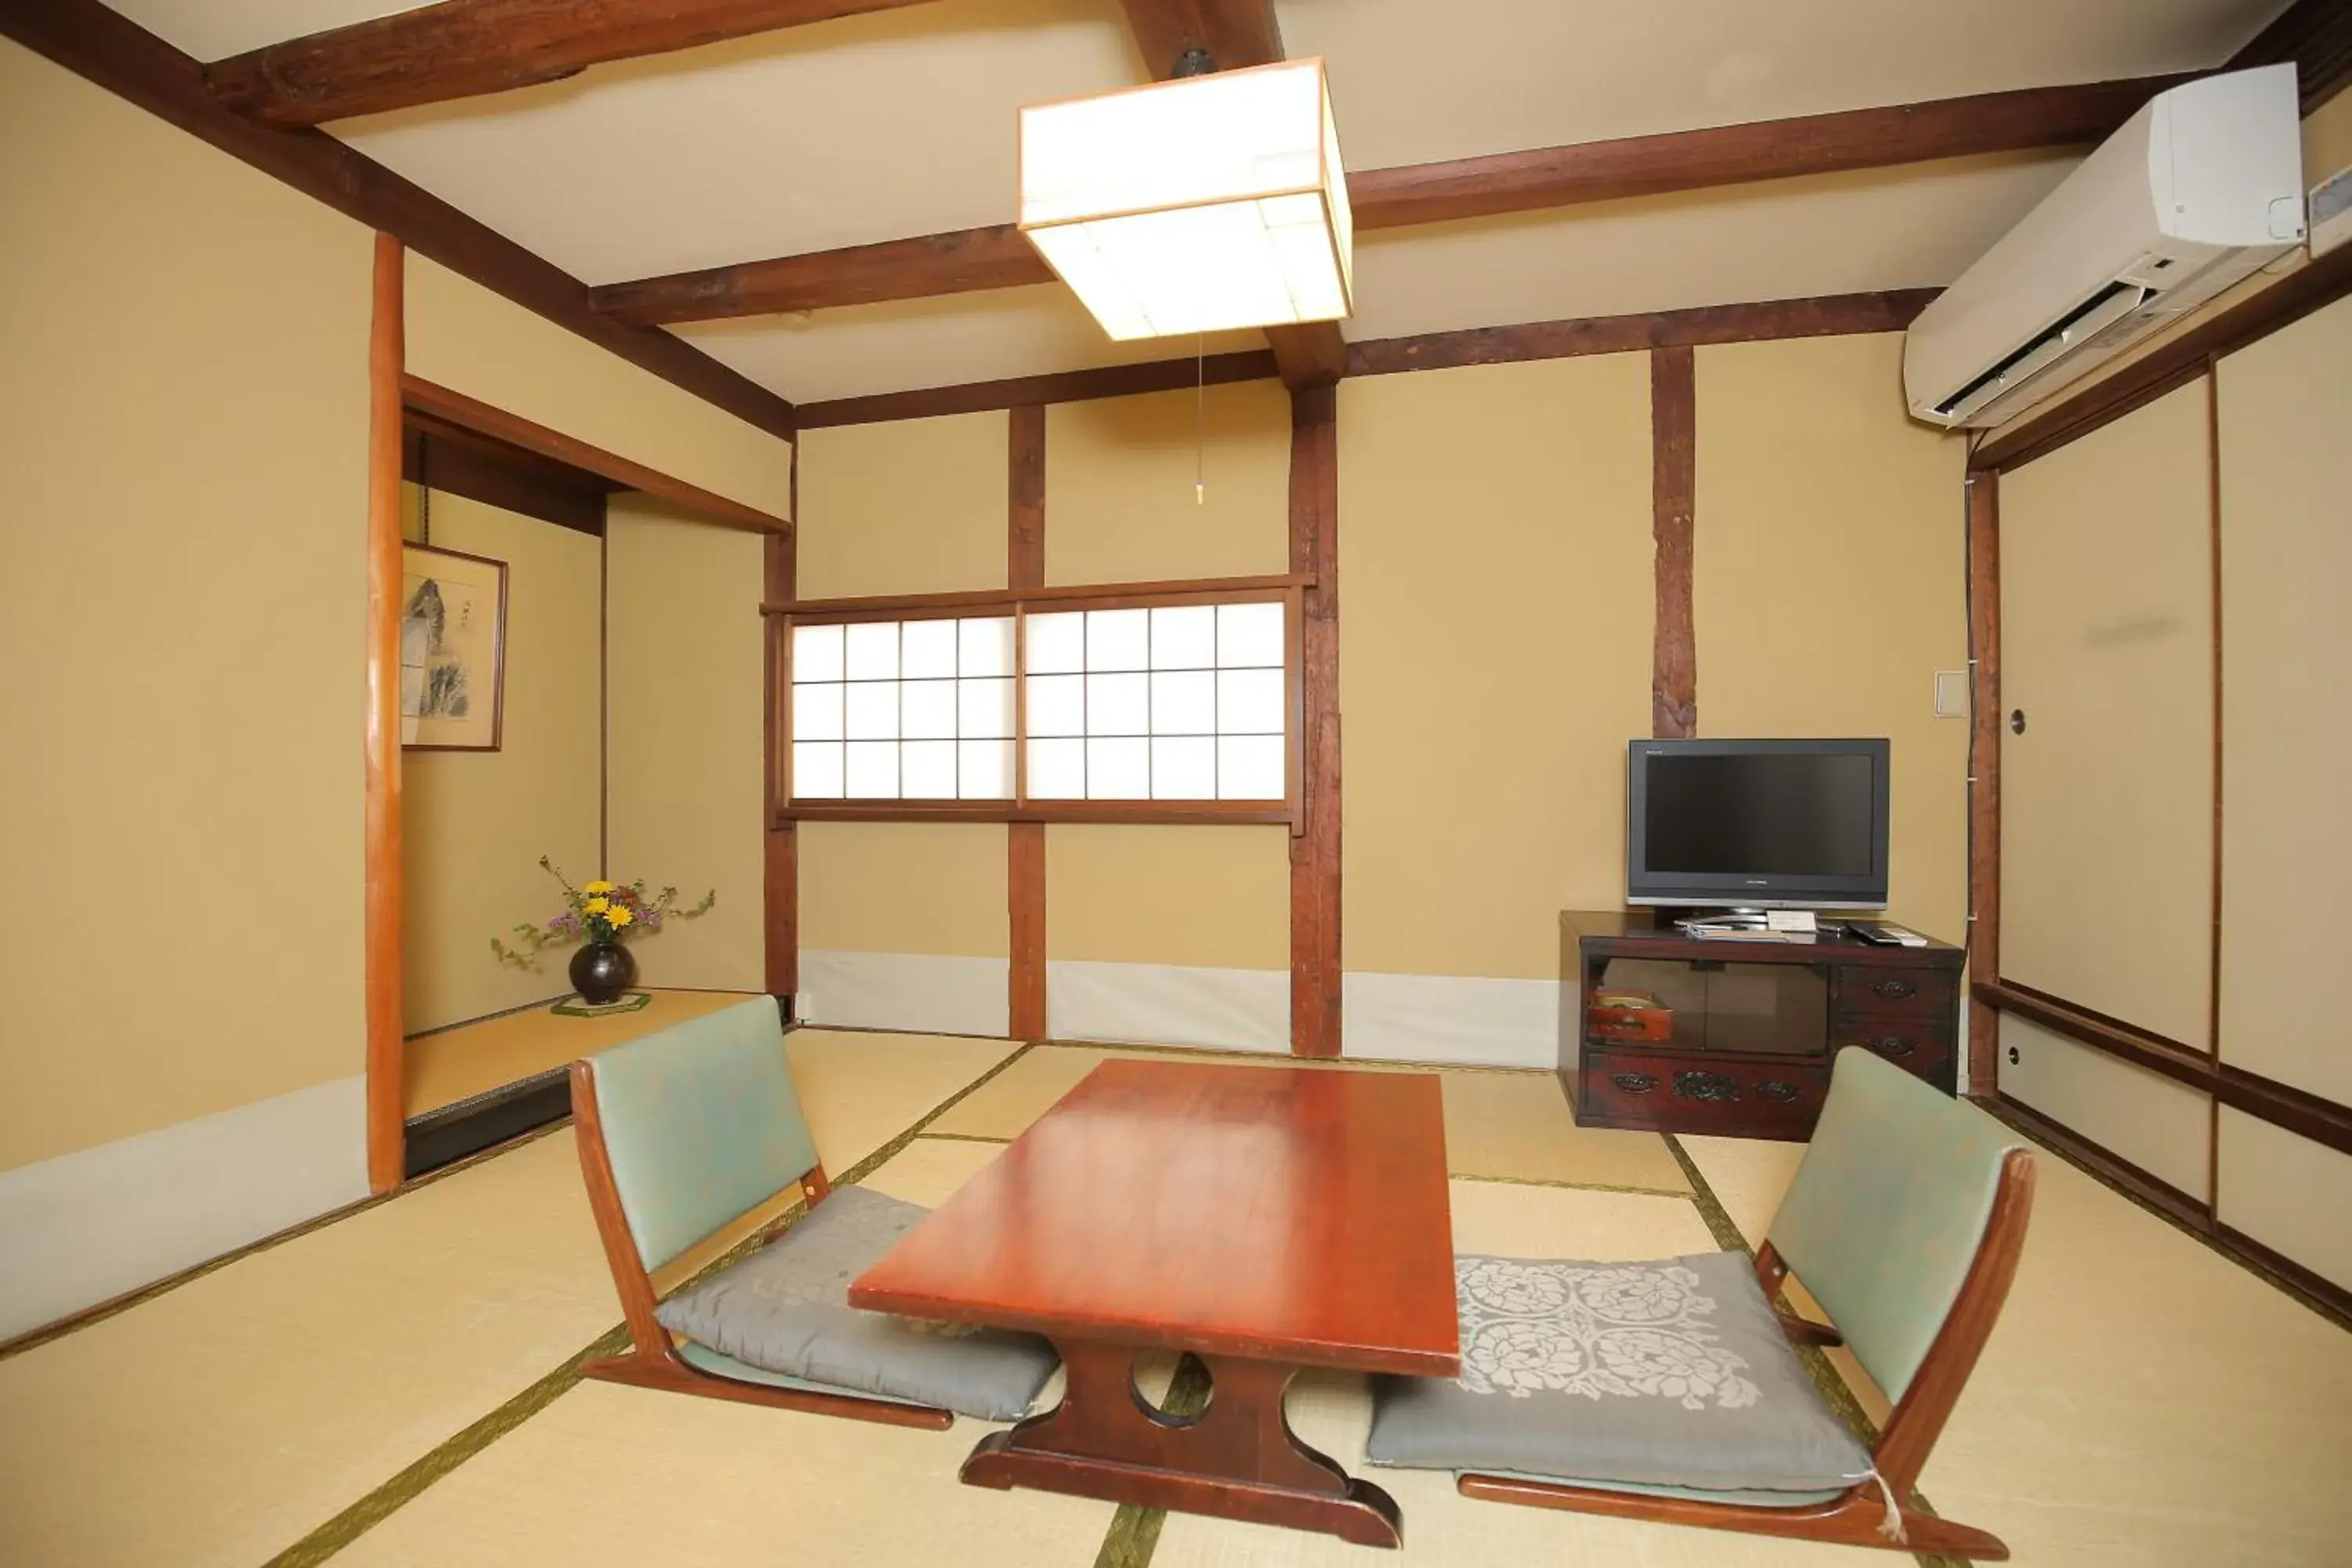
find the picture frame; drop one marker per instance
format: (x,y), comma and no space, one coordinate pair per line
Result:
(453,650)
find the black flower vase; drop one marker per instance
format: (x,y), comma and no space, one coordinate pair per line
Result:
(602,970)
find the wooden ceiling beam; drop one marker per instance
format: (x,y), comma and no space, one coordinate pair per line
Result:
(462,48)
(1309,355)
(2316,34)
(997,258)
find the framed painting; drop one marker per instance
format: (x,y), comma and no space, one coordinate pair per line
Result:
(453,650)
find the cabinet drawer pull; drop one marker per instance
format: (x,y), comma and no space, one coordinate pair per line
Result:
(1635,1082)
(1775,1091)
(1705,1086)
(1892,1046)
(1893,990)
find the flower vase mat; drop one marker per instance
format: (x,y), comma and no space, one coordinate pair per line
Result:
(572,1006)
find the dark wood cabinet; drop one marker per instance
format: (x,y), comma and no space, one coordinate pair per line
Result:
(1671,1033)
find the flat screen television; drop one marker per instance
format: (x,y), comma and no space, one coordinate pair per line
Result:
(1756,824)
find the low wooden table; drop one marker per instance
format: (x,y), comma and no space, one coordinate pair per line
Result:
(1265,1219)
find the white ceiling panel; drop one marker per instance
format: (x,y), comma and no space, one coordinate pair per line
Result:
(215,30)
(1414,83)
(1835,233)
(866,128)
(897,347)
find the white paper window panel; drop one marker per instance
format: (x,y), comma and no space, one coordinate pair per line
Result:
(1249,634)
(987,646)
(816,770)
(926,770)
(816,653)
(926,651)
(870,650)
(926,709)
(1119,640)
(984,770)
(1057,705)
(1184,703)
(984,710)
(1118,768)
(1251,767)
(1250,703)
(1184,637)
(870,710)
(816,712)
(1056,643)
(871,772)
(1119,704)
(1057,770)
(1184,768)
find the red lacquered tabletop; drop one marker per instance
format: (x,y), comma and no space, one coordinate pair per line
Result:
(1283,1214)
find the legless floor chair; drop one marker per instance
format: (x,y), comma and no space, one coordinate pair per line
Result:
(1668,1390)
(684,1132)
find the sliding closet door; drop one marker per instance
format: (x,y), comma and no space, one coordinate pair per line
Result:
(2286,830)
(2108,785)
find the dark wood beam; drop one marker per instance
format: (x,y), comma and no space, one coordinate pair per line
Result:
(1025,842)
(1830,315)
(1984,774)
(2316,34)
(2042,117)
(456,462)
(1309,355)
(1064,386)
(1315,962)
(1235,33)
(997,257)
(1673,491)
(462,48)
(97,43)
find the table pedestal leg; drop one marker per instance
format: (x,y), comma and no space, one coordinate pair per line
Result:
(1237,1460)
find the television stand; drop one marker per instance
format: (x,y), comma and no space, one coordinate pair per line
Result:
(1735,1037)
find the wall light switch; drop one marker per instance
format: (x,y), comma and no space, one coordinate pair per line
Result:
(1951,694)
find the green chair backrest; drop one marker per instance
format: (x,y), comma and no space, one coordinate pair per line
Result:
(701,1124)
(1886,1210)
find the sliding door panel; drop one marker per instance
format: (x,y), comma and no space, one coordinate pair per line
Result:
(2157,1123)
(2107,738)
(2286,648)
(2287,1193)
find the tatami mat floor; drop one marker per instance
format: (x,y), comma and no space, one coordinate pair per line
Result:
(2144,1402)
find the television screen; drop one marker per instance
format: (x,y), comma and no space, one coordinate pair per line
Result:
(1756,822)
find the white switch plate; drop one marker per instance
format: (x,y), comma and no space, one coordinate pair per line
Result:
(1951,694)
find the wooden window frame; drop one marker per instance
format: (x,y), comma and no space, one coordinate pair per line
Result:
(1288,590)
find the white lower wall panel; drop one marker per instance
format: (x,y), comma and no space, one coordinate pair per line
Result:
(1472,1019)
(927,992)
(2293,1195)
(88,1226)
(1169,1005)
(2157,1123)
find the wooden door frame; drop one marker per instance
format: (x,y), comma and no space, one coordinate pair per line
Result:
(392,394)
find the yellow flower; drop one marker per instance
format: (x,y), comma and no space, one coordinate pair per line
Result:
(619,916)
(597,888)
(596,906)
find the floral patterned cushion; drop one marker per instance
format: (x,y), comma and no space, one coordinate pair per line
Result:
(785,1309)
(1667,1373)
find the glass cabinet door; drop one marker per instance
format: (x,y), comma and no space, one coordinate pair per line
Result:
(1772,1009)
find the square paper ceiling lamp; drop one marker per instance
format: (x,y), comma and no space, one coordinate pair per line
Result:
(1201,205)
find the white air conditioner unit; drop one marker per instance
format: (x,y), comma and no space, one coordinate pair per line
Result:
(2200,189)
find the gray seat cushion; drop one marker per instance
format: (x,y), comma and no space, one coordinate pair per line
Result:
(785,1309)
(1667,1373)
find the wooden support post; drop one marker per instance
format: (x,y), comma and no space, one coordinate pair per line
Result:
(1315,958)
(386,1083)
(1673,483)
(1025,841)
(781,940)
(1984,775)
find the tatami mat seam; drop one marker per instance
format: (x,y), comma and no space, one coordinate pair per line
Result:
(1571,1186)
(90,1316)
(403,1488)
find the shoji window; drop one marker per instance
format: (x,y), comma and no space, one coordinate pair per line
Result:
(1165,707)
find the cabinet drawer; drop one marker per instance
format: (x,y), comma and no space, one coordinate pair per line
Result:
(1681,1091)
(1918,1046)
(1910,992)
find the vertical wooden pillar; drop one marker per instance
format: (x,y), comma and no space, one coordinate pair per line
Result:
(1674,484)
(781,877)
(1025,841)
(1984,773)
(387,1086)
(1315,960)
